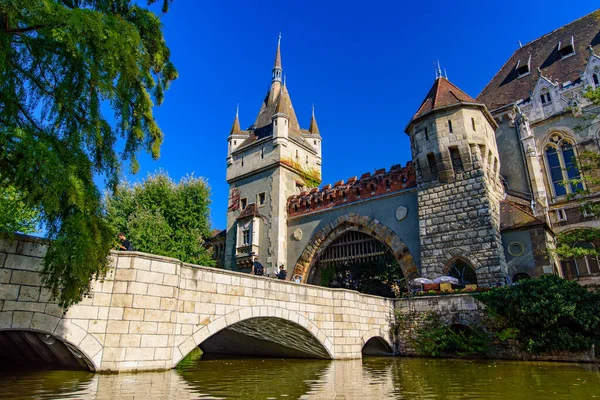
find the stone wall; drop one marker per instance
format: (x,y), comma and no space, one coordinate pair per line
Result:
(464,309)
(151,311)
(460,219)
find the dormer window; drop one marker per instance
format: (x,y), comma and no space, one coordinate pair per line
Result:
(567,49)
(523,68)
(545,97)
(595,79)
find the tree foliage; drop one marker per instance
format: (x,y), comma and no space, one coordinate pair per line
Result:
(546,313)
(68,68)
(15,214)
(161,217)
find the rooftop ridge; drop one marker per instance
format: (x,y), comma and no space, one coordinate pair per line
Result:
(369,185)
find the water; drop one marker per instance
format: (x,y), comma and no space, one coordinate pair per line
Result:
(371,378)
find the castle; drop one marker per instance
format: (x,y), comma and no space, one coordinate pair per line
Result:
(481,199)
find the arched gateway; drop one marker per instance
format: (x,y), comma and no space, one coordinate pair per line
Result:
(370,233)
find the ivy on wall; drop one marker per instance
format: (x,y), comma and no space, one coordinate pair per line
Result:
(311,177)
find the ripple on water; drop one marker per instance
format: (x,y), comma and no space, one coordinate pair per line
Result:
(371,378)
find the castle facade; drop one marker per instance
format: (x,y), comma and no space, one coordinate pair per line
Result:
(482,198)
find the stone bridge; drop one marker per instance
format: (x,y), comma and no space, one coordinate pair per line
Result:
(151,311)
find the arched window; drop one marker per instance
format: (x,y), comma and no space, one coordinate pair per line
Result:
(560,156)
(520,276)
(462,271)
(587,265)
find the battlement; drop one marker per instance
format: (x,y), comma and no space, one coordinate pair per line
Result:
(367,186)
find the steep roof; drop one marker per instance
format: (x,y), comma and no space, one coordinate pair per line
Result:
(442,94)
(506,87)
(514,215)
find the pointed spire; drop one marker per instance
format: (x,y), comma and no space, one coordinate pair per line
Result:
(439,69)
(313,127)
(277,70)
(278,54)
(235,128)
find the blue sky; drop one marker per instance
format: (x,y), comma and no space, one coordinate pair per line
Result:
(365,65)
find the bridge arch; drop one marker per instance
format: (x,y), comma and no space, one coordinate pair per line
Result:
(243,318)
(375,342)
(359,223)
(41,332)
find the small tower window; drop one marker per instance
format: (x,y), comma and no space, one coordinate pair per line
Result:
(235,142)
(344,196)
(473,124)
(372,189)
(495,167)
(242,161)
(450,126)
(595,79)
(358,192)
(457,164)
(307,158)
(315,142)
(426,134)
(262,153)
(243,203)
(432,164)
(388,185)
(297,155)
(275,122)
(261,198)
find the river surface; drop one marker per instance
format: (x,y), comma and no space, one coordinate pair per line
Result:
(370,378)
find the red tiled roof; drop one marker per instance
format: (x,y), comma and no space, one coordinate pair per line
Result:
(442,94)
(514,215)
(506,87)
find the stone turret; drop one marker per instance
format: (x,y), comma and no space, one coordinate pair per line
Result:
(457,165)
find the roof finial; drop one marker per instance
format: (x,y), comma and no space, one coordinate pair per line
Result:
(313,109)
(237,110)
(445,73)
(439,69)
(279,41)
(520,44)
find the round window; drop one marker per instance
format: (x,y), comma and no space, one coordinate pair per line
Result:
(516,249)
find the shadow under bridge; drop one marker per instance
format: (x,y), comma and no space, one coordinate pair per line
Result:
(265,336)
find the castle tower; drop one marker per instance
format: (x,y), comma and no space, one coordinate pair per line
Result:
(457,165)
(267,163)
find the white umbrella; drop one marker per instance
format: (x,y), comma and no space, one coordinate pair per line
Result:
(421,281)
(445,278)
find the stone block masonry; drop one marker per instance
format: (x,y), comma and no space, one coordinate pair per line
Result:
(151,311)
(461,219)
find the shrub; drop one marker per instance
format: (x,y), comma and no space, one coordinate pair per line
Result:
(544,314)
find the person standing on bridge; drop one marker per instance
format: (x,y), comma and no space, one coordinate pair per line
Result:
(124,244)
(282,274)
(257,267)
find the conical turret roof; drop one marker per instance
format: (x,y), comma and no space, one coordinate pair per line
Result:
(235,128)
(313,127)
(442,94)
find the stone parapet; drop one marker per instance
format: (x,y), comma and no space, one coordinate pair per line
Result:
(355,189)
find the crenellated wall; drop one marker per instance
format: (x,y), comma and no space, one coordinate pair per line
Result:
(341,193)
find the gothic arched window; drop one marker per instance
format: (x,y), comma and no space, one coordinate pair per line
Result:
(462,271)
(560,156)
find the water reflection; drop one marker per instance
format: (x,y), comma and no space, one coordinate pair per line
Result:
(372,378)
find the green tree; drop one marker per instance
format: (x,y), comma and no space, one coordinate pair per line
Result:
(68,68)
(162,217)
(15,215)
(545,314)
